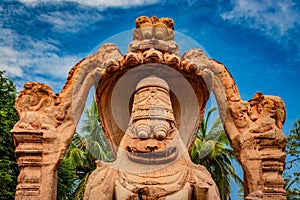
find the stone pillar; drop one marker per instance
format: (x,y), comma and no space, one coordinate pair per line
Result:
(29,147)
(40,144)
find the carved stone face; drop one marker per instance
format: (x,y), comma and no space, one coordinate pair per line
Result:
(152,144)
(151,136)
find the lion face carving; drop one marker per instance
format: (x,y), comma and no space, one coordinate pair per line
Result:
(152,134)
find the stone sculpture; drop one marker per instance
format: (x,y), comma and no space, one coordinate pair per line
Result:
(160,166)
(151,145)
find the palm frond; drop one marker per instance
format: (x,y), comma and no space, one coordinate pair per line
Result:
(204,124)
(79,192)
(212,149)
(216,130)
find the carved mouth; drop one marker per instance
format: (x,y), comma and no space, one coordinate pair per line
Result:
(153,157)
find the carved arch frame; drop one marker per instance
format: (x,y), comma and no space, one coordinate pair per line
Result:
(105,67)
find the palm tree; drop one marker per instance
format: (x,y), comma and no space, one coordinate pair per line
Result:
(292,192)
(85,150)
(83,162)
(74,169)
(213,150)
(96,140)
(292,175)
(66,180)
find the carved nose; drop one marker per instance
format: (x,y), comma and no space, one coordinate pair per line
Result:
(151,147)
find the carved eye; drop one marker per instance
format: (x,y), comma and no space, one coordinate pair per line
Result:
(160,33)
(142,134)
(143,131)
(160,131)
(160,135)
(147,32)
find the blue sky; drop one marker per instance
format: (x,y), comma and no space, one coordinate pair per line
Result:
(258,41)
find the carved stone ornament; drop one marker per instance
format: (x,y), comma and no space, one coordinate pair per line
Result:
(151,126)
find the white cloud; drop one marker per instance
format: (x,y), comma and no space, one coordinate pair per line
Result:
(115,3)
(66,22)
(101,4)
(8,59)
(36,58)
(71,21)
(273,17)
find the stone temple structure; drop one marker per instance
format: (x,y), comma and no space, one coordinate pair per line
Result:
(151,102)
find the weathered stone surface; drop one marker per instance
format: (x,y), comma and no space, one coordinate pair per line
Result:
(254,128)
(47,124)
(37,140)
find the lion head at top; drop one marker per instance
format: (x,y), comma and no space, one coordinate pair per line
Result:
(157,33)
(144,21)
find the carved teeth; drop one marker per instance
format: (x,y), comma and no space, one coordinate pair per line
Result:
(153,156)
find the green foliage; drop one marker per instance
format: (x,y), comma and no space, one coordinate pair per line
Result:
(292,174)
(293,145)
(83,162)
(96,140)
(82,154)
(213,150)
(8,115)
(66,180)
(291,184)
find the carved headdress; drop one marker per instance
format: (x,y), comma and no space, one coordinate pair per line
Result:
(152,100)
